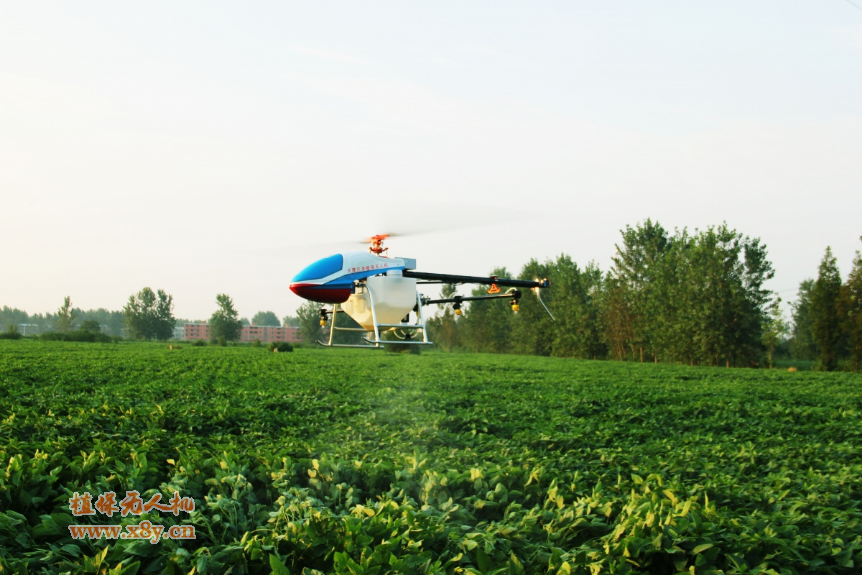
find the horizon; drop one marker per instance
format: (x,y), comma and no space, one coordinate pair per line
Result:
(785,300)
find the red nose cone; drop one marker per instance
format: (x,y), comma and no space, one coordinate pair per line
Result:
(322,294)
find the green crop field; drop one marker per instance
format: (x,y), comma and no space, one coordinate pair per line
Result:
(359,462)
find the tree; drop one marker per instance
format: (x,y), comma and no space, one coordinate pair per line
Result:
(11,332)
(65,316)
(728,271)
(826,322)
(12,316)
(110,322)
(577,330)
(149,315)
(671,304)
(225,323)
(91,326)
(291,321)
(701,301)
(45,322)
(266,318)
(488,324)
(636,266)
(850,300)
(774,330)
(591,344)
(533,331)
(615,322)
(309,318)
(802,344)
(444,327)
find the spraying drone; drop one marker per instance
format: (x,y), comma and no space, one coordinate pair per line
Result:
(380,292)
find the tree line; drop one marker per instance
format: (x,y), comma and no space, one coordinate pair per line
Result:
(148,315)
(826,322)
(693,298)
(110,322)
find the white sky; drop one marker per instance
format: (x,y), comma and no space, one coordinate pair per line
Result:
(194,146)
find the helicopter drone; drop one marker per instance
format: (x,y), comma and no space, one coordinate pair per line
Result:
(380,292)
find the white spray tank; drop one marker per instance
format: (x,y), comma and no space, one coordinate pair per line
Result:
(394,297)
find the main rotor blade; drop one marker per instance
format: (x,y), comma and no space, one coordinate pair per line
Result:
(394,219)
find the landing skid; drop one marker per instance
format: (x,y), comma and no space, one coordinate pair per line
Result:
(377,342)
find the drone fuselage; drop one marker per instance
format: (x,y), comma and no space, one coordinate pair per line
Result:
(331,279)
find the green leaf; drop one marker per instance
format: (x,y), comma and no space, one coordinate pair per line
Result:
(278,567)
(700,548)
(72,549)
(483,561)
(515,566)
(24,540)
(130,569)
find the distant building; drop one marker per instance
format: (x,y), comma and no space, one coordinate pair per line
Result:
(193,331)
(28,328)
(266,333)
(263,333)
